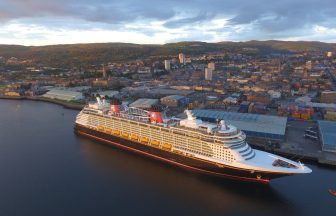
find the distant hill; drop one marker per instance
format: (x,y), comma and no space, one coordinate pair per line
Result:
(76,54)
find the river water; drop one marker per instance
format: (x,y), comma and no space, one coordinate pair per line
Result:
(45,169)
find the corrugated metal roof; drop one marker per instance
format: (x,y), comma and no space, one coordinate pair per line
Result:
(246,121)
(328,135)
(144,103)
(63,94)
(173,97)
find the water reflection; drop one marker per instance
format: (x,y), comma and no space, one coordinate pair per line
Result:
(211,194)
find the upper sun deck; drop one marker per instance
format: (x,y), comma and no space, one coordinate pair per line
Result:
(191,126)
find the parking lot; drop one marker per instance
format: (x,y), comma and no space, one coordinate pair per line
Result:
(295,139)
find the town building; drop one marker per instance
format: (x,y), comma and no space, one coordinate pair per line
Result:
(12,94)
(174,101)
(329,54)
(182,58)
(259,97)
(208,74)
(309,65)
(110,94)
(328,97)
(104,72)
(212,66)
(167,65)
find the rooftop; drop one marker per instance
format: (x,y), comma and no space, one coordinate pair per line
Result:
(63,93)
(173,97)
(327,131)
(166,91)
(144,103)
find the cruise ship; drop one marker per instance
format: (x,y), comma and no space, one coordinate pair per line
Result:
(217,149)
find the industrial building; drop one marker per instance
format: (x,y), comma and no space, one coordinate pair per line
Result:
(254,125)
(327,133)
(65,95)
(144,103)
(174,101)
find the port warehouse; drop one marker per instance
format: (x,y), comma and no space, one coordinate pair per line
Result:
(254,125)
(66,95)
(327,133)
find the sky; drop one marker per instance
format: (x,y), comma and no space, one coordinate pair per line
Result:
(45,22)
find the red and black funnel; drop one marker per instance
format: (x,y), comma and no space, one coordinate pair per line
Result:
(115,105)
(155,114)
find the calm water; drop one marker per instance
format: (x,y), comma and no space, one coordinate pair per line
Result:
(47,170)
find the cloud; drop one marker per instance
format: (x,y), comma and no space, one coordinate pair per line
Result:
(206,20)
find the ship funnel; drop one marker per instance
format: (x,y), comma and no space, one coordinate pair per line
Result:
(98,99)
(155,114)
(189,114)
(115,105)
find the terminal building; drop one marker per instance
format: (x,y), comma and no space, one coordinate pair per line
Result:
(254,125)
(65,95)
(327,133)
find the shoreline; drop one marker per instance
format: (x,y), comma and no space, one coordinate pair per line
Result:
(316,159)
(65,104)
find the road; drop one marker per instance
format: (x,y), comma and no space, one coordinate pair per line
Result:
(333,79)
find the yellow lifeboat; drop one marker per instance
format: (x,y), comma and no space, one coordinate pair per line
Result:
(100,128)
(116,132)
(144,140)
(108,130)
(124,134)
(134,137)
(155,143)
(166,146)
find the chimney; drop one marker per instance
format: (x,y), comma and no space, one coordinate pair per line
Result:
(98,100)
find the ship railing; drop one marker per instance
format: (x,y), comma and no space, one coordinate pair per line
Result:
(206,137)
(237,145)
(133,117)
(137,111)
(216,134)
(228,134)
